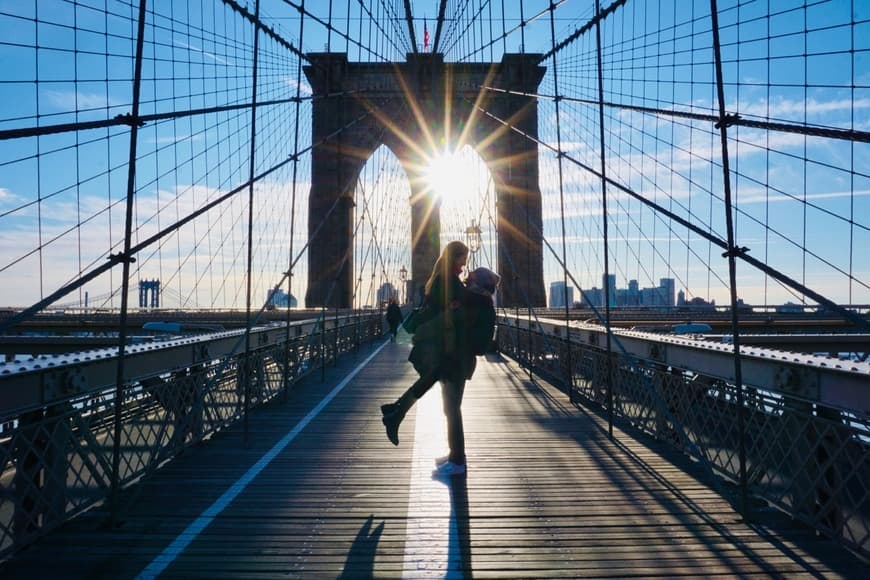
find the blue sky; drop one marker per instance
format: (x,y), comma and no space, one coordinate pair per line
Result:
(803,202)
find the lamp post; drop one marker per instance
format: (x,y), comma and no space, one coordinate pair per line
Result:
(473,240)
(403,276)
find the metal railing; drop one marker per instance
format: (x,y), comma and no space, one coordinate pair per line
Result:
(806,419)
(57,413)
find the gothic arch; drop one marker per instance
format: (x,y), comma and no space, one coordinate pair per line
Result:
(411,107)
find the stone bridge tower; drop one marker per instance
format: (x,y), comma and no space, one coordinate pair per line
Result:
(360,106)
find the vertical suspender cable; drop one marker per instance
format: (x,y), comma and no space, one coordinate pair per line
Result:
(359,34)
(854,55)
(328,29)
(287,377)
(531,346)
(125,260)
(503,30)
(607,297)
(246,370)
(522,28)
(731,254)
(556,100)
(491,58)
(347,25)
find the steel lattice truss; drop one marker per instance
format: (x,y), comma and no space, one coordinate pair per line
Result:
(63,452)
(807,448)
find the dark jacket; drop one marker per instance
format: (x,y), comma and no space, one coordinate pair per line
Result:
(478,324)
(435,338)
(394,316)
(452,333)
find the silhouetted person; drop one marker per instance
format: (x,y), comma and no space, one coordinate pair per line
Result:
(456,325)
(394,318)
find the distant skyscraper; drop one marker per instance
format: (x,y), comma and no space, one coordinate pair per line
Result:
(593,297)
(656,297)
(385,292)
(650,297)
(557,295)
(633,295)
(667,288)
(609,283)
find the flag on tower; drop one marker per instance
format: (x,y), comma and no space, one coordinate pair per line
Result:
(425,36)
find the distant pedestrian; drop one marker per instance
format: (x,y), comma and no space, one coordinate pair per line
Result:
(457,325)
(394,317)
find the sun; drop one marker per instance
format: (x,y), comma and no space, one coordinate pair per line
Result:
(452,177)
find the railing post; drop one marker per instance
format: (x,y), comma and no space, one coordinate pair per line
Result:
(531,353)
(337,340)
(567,349)
(609,375)
(198,386)
(356,332)
(731,254)
(126,259)
(242,384)
(252,164)
(323,342)
(293,194)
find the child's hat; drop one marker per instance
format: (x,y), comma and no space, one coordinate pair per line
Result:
(486,279)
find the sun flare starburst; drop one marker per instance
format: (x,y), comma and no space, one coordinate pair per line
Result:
(452,177)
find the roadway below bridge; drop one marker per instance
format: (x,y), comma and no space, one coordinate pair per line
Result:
(81,321)
(72,331)
(52,333)
(752,321)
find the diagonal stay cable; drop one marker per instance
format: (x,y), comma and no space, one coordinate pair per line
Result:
(507,33)
(140,120)
(693,449)
(303,12)
(741,253)
(583,29)
(807,129)
(119,258)
(409,19)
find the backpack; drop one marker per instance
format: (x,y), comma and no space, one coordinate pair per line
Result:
(481,330)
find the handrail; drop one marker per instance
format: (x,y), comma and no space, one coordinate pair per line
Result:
(828,380)
(56,412)
(806,417)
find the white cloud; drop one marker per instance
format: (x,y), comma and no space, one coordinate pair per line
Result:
(8,200)
(205,258)
(304,87)
(758,196)
(203,52)
(73,100)
(174,139)
(794,109)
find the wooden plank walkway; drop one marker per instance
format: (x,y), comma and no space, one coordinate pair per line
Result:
(547,495)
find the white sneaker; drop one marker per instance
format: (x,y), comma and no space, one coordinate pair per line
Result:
(449,469)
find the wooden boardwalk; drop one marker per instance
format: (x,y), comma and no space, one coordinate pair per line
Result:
(319,492)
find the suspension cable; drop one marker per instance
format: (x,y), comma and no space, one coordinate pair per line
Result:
(741,253)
